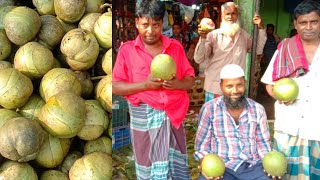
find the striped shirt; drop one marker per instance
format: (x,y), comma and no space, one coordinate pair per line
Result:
(219,134)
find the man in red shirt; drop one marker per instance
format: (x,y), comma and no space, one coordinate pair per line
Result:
(157,108)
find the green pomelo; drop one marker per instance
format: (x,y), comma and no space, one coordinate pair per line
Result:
(16,170)
(163,66)
(81,49)
(57,80)
(102,30)
(63,115)
(212,165)
(275,163)
(96,121)
(51,31)
(93,166)
(103,92)
(69,160)
(69,11)
(54,175)
(44,7)
(31,109)
(207,24)
(87,21)
(15,88)
(5,64)
(286,89)
(21,139)
(33,60)
(53,151)
(84,78)
(5,45)
(107,62)
(6,115)
(94,6)
(102,144)
(21,24)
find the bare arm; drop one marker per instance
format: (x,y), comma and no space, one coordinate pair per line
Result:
(122,88)
(186,83)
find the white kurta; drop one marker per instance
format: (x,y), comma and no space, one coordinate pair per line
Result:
(302,117)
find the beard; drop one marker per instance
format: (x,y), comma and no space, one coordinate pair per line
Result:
(234,104)
(230,29)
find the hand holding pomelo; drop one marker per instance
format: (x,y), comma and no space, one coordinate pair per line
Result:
(163,66)
(212,166)
(275,163)
(207,25)
(286,90)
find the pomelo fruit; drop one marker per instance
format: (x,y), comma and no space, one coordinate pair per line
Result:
(212,165)
(286,89)
(275,163)
(207,24)
(163,66)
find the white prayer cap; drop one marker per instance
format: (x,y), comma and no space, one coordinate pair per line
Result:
(231,71)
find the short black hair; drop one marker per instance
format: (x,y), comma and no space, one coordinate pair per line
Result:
(306,7)
(176,24)
(270,25)
(154,9)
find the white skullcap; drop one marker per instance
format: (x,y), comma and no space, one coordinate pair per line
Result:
(231,71)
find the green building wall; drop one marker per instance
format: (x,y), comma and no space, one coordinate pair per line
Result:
(273,12)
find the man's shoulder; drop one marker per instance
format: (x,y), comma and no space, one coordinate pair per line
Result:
(253,103)
(214,102)
(126,45)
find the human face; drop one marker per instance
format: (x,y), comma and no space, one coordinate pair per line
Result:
(230,14)
(269,31)
(176,30)
(149,30)
(308,26)
(233,91)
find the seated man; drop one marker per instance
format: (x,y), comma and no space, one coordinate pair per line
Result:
(235,128)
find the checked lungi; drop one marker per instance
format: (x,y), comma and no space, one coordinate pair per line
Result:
(159,148)
(303,156)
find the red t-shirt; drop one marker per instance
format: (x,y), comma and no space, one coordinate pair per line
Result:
(133,65)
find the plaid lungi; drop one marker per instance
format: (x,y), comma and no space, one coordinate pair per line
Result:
(303,156)
(159,148)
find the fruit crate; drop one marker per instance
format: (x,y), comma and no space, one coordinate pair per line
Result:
(119,111)
(120,137)
(197,93)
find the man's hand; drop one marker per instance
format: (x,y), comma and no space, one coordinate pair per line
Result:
(152,83)
(209,178)
(174,83)
(273,177)
(287,103)
(258,21)
(202,33)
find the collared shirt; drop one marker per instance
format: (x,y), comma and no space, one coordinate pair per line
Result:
(218,50)
(133,65)
(301,117)
(219,134)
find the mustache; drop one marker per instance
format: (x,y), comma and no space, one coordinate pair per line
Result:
(230,29)
(234,104)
